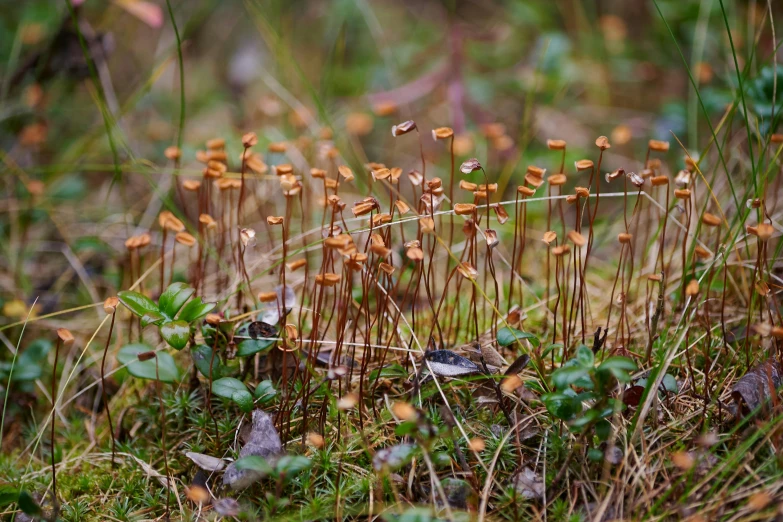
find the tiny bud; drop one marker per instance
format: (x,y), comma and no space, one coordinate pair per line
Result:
(577,238)
(415,177)
(683,178)
(346,402)
(65,336)
(402,207)
(146,356)
(682,194)
(316,440)
(278,147)
(467,270)
(291,332)
(477,444)
(549,237)
(525,191)
(658,146)
(764,231)
(442,133)
(467,185)
(469,166)
(274,220)
(556,144)
(659,181)
(583,164)
(403,128)
(183,238)
(213,319)
(387,268)
(701,252)
(172,153)
(191,185)
(345,172)
(464,209)
(248,237)
(404,411)
(602,143)
(693,288)
(296,265)
(267,297)
(216,144)
(328,279)
(110,305)
(711,220)
(535,181)
(635,179)
(557,180)
(624,238)
(249,140)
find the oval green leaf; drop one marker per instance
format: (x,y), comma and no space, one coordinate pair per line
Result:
(226,387)
(137,303)
(172,299)
(176,333)
(508,336)
(253,346)
(195,310)
(167,369)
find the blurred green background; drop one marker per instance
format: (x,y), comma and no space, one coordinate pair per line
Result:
(505,75)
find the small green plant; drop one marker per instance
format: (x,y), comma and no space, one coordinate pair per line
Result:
(175,329)
(583,381)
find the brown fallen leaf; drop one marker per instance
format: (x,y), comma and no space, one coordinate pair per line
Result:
(756,387)
(529,484)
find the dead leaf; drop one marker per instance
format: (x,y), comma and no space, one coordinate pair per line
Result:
(446,363)
(206,462)
(262,441)
(756,386)
(518,365)
(528,484)
(226,507)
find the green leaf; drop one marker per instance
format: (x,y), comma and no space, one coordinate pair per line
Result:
(619,367)
(167,369)
(137,303)
(255,463)
(603,429)
(176,333)
(244,400)
(195,310)
(152,318)
(563,405)
(8,495)
(585,356)
(172,299)
(202,358)
(252,346)
(556,346)
(28,365)
(290,465)
(508,336)
(265,392)
(595,454)
(589,416)
(563,377)
(405,428)
(226,387)
(28,505)
(670,383)
(390,371)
